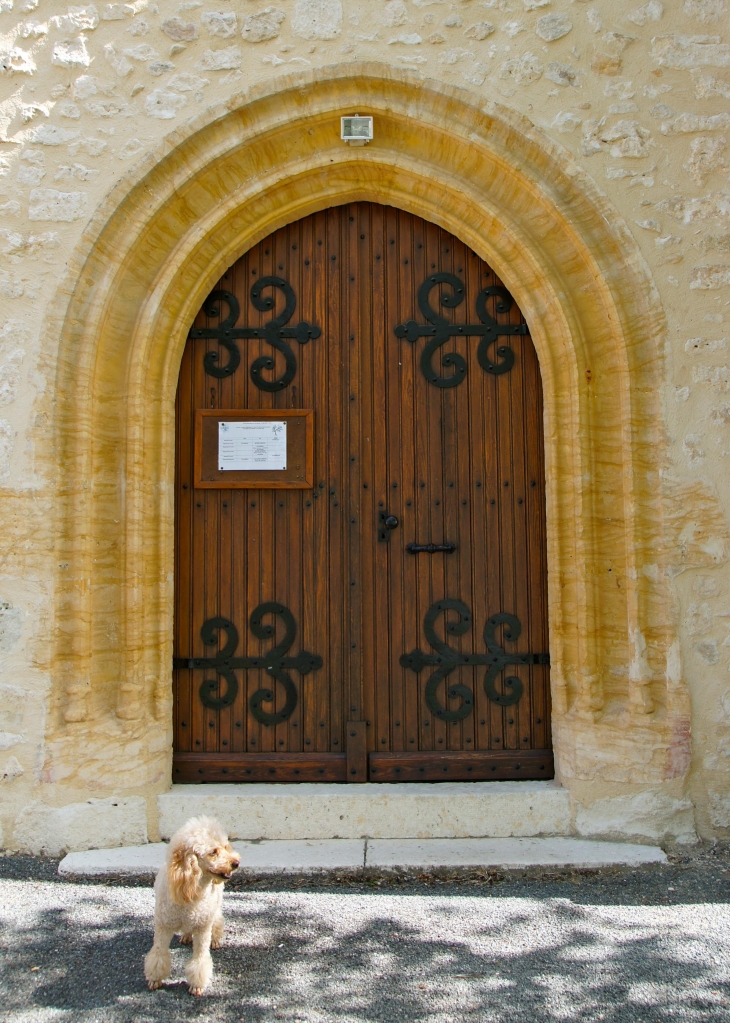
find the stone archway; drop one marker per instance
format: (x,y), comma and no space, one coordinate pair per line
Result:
(150,258)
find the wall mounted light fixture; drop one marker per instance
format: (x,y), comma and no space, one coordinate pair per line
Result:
(356,130)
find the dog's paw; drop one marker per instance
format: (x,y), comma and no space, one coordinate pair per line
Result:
(154,984)
(216,942)
(185,939)
(197,991)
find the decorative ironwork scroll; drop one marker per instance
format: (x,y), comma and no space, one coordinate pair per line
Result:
(447,659)
(440,330)
(273,662)
(275,332)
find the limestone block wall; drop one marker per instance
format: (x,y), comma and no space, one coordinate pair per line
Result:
(636,98)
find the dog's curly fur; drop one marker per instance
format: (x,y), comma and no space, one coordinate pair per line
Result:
(188,900)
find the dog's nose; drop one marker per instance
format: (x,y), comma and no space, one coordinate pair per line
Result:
(234,864)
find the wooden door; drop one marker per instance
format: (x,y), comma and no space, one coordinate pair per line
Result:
(386,618)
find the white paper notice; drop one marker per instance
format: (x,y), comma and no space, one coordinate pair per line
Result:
(252,445)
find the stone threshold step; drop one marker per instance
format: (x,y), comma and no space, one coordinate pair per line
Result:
(283,812)
(412,854)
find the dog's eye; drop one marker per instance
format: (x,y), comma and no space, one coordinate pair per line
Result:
(215,852)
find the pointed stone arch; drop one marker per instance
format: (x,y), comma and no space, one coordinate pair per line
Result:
(150,257)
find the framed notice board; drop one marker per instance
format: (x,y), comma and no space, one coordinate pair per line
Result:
(256,449)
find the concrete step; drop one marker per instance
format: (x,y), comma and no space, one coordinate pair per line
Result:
(413,855)
(508,853)
(414,810)
(129,860)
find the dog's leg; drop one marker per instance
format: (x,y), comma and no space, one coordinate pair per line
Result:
(186,939)
(157,960)
(200,968)
(216,937)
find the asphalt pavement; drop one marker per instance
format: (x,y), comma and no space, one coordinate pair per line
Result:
(651,944)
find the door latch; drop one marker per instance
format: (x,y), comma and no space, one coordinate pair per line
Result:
(386,524)
(431,548)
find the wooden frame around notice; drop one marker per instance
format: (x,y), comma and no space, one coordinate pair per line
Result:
(299,474)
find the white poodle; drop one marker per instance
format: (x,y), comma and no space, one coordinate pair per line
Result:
(188,900)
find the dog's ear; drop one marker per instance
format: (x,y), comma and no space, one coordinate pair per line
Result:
(183,874)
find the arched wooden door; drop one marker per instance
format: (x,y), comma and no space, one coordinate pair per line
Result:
(360,584)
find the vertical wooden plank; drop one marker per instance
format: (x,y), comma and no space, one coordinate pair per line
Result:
(432,729)
(197,615)
(359,384)
(408,638)
(482,496)
(283,557)
(383,306)
(310,576)
(225,584)
(242,719)
(515,591)
(259,259)
(435,425)
(497,429)
(268,526)
(332,493)
(398,270)
(536,554)
(366,340)
(363,337)
(357,755)
(507,426)
(291,568)
(459,496)
(450,563)
(210,500)
(321,686)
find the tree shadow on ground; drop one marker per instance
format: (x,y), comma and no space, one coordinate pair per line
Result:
(335,957)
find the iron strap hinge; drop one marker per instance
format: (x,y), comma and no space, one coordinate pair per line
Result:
(439,330)
(274,332)
(447,659)
(273,662)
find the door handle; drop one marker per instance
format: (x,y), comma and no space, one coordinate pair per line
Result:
(386,523)
(431,548)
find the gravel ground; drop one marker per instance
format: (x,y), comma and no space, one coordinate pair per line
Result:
(645,945)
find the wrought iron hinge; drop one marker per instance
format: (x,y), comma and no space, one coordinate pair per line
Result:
(440,330)
(273,662)
(446,659)
(274,332)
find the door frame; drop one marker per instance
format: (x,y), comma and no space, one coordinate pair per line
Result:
(151,255)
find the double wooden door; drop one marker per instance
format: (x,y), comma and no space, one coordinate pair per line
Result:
(378,611)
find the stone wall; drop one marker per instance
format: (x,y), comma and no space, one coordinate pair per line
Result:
(636,96)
